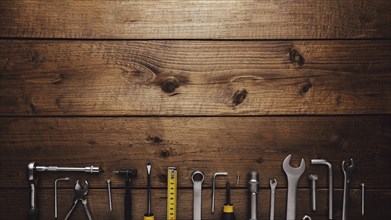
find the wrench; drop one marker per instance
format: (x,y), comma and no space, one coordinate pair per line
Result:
(347,173)
(293,174)
(198,178)
(272,197)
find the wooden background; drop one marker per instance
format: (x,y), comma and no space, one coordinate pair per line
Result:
(217,85)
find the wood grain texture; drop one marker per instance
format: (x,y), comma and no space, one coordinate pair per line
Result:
(16,200)
(194,77)
(212,19)
(232,144)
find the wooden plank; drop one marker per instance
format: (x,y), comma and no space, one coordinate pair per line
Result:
(212,19)
(210,144)
(194,77)
(14,204)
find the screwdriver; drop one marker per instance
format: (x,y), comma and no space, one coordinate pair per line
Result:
(149,215)
(228,211)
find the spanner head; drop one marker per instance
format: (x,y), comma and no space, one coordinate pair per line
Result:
(295,171)
(348,169)
(273,183)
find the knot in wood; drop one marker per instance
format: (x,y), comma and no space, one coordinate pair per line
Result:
(154,139)
(239,97)
(169,85)
(296,57)
(165,153)
(306,88)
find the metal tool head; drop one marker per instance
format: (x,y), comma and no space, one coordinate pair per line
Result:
(81,192)
(127,173)
(31,170)
(348,167)
(220,174)
(197,177)
(273,183)
(289,170)
(149,167)
(313,177)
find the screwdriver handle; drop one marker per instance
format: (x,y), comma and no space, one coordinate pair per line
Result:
(228,212)
(128,201)
(33,214)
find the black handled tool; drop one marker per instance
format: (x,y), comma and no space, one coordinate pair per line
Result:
(228,211)
(149,215)
(128,174)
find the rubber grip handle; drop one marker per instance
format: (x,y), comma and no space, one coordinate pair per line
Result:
(228,216)
(33,214)
(128,201)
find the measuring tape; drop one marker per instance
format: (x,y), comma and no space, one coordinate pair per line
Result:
(171,192)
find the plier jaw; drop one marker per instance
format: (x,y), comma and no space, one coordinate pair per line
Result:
(80,194)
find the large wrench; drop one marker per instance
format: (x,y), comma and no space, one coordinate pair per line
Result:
(347,172)
(198,178)
(272,197)
(293,174)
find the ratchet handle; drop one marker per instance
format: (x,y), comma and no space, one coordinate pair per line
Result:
(128,201)
(33,214)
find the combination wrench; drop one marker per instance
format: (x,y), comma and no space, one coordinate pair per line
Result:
(347,173)
(197,178)
(293,174)
(273,186)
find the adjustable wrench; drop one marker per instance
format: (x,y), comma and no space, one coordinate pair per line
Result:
(272,197)
(347,172)
(293,174)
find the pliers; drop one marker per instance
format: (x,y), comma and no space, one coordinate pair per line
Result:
(80,194)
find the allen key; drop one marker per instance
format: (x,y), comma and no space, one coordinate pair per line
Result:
(55,195)
(214,187)
(324,162)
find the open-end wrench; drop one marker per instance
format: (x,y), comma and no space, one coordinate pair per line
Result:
(272,197)
(347,173)
(293,174)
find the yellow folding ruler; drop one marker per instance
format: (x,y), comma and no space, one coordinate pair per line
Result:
(171,193)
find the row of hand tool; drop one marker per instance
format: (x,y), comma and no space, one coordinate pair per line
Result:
(293,175)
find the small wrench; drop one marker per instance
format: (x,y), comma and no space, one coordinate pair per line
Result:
(293,174)
(347,172)
(272,197)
